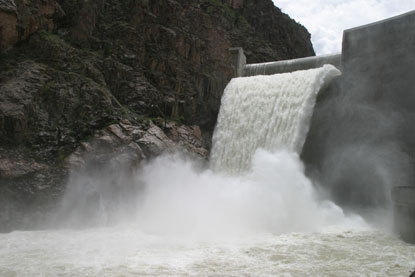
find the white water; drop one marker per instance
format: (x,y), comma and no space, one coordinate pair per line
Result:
(191,221)
(275,197)
(130,252)
(268,112)
(175,217)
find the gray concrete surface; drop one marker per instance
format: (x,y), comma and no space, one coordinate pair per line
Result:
(379,66)
(361,142)
(238,60)
(404,212)
(292,65)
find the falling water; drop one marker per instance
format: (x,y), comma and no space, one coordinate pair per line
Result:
(267,112)
(254,213)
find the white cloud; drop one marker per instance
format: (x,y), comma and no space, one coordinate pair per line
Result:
(326,19)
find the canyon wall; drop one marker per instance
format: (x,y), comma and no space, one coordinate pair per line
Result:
(95,78)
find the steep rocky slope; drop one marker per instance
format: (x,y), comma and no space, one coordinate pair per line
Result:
(87,77)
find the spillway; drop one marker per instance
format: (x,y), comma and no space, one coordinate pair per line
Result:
(361,139)
(291,65)
(182,220)
(267,112)
(253,213)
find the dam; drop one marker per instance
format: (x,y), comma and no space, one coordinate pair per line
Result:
(257,207)
(360,147)
(252,211)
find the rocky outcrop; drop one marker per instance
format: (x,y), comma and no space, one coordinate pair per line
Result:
(8,24)
(158,58)
(82,81)
(30,189)
(130,144)
(36,15)
(277,36)
(19,19)
(235,4)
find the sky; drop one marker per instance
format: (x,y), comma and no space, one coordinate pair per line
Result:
(326,19)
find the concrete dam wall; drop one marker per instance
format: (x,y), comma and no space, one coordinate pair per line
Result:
(361,144)
(291,65)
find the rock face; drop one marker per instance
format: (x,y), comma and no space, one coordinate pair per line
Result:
(8,24)
(131,144)
(236,4)
(278,35)
(30,190)
(137,76)
(19,19)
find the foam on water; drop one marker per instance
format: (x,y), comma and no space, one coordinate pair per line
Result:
(129,252)
(174,216)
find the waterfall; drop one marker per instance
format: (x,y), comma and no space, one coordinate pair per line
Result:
(268,112)
(174,194)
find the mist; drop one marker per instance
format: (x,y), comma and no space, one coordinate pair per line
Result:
(255,181)
(361,142)
(358,147)
(175,194)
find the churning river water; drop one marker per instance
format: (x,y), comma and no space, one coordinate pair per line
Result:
(252,213)
(126,251)
(193,222)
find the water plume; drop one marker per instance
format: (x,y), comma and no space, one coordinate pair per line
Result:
(176,195)
(261,128)
(274,197)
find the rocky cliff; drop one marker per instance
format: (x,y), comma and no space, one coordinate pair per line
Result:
(99,78)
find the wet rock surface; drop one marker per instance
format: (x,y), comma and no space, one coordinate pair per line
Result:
(30,190)
(131,144)
(87,81)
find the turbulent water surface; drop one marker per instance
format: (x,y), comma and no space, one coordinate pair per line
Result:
(175,216)
(121,251)
(191,221)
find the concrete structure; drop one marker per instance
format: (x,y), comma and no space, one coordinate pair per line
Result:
(362,139)
(383,55)
(243,69)
(404,212)
(291,65)
(238,60)
(378,69)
